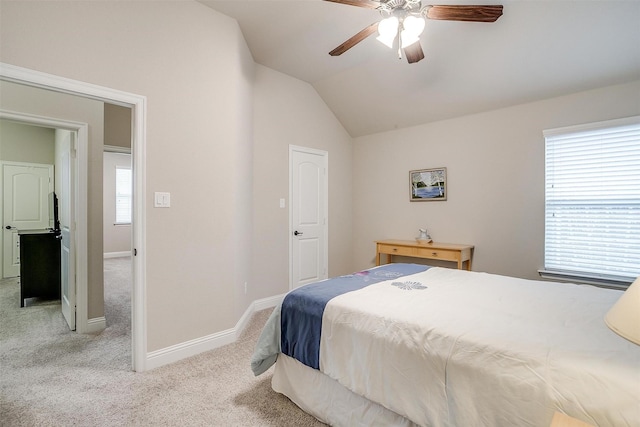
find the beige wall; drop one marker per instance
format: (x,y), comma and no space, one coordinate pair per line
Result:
(50,104)
(289,111)
(117,126)
(117,238)
(495,167)
(195,70)
(24,143)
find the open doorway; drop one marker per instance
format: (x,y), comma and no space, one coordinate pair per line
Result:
(137,105)
(52,153)
(39,162)
(117,198)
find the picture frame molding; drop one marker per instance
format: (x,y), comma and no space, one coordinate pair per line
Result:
(439,174)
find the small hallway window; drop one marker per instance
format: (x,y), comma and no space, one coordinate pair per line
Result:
(123,195)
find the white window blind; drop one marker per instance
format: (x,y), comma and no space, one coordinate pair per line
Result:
(123,195)
(592,200)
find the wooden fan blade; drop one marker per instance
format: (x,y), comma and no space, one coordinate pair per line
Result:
(360,3)
(414,53)
(478,13)
(355,40)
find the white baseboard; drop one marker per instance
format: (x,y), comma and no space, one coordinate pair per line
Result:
(95,324)
(117,254)
(177,352)
(263,304)
(255,306)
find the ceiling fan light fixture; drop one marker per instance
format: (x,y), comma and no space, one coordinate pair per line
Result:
(387,30)
(405,19)
(413,25)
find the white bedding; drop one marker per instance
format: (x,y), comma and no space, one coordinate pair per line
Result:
(455,348)
(327,400)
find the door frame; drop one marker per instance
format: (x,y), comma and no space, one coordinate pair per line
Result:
(138,105)
(80,178)
(325,235)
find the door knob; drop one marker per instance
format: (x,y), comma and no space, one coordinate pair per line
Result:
(297,233)
(8,227)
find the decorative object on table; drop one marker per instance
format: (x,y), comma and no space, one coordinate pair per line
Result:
(624,317)
(428,184)
(423,237)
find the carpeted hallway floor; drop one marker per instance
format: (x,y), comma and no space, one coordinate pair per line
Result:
(50,376)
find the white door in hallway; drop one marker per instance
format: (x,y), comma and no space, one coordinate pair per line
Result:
(25,198)
(66,190)
(308,215)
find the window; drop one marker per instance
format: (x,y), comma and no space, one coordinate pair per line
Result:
(123,195)
(592,201)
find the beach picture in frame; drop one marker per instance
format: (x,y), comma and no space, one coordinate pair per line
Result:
(428,184)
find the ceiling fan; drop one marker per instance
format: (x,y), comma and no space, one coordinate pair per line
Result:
(405,19)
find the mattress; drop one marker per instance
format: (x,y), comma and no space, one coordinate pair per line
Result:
(327,400)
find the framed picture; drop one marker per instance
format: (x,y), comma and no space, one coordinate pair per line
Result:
(428,184)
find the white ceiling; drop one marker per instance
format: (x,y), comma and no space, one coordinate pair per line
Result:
(536,50)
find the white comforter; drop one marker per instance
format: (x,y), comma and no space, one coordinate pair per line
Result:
(455,348)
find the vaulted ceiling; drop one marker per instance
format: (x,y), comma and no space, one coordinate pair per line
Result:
(536,50)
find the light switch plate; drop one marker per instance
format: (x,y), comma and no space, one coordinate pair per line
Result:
(161,200)
(282,203)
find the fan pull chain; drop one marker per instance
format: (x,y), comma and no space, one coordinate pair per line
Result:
(399,42)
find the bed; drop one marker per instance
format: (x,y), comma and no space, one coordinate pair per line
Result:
(405,345)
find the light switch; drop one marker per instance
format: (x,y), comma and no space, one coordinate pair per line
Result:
(282,203)
(162,200)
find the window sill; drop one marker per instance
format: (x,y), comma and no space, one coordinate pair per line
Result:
(601,281)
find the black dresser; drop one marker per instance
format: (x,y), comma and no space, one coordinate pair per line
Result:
(39,265)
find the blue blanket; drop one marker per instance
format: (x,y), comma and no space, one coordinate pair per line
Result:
(302,308)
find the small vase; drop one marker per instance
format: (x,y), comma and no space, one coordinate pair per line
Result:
(423,237)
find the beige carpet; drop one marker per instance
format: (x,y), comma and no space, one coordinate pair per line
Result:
(50,376)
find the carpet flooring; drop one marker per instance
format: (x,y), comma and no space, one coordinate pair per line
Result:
(50,376)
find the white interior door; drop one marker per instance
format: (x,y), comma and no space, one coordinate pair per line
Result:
(308,211)
(25,198)
(66,192)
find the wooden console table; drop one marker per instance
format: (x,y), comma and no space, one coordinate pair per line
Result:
(434,250)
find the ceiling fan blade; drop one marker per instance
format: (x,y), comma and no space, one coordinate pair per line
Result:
(478,13)
(355,40)
(414,53)
(360,3)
